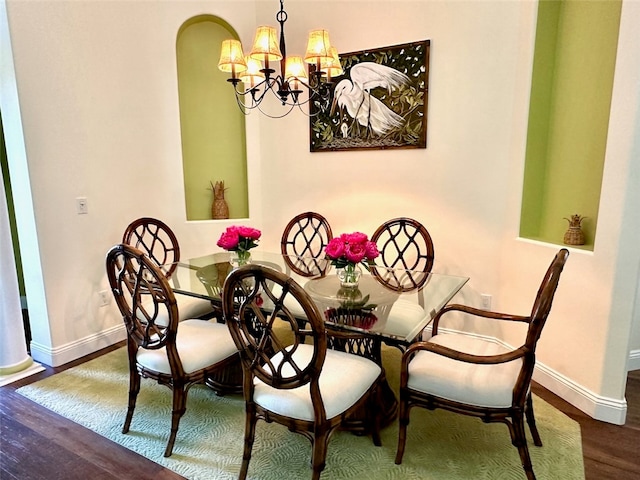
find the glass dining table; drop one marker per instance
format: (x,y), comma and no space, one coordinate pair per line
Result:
(390,306)
(393,304)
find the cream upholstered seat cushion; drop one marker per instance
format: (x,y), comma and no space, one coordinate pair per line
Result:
(482,385)
(344,379)
(188,308)
(199,343)
(403,317)
(192,307)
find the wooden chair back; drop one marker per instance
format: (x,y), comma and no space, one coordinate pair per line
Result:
(306,235)
(134,280)
(544,298)
(157,240)
(255,330)
(404,244)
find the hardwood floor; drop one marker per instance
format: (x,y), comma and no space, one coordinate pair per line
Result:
(37,444)
(611,452)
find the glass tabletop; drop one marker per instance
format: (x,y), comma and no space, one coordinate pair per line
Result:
(391,310)
(391,303)
(204,276)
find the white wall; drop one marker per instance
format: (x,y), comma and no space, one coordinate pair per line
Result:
(98,95)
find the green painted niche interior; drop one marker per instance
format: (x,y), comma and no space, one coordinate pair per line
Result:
(574,61)
(212,125)
(4,166)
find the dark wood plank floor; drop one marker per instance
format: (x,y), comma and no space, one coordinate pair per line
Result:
(36,443)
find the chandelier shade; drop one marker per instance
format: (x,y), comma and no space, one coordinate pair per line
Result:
(265,45)
(257,76)
(295,73)
(231,57)
(252,75)
(331,66)
(318,47)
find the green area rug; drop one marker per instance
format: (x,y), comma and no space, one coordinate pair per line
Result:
(440,445)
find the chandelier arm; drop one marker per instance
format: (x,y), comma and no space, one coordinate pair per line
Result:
(267,84)
(243,108)
(266,114)
(246,109)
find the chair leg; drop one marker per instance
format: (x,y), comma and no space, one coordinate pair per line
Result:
(134,388)
(519,440)
(179,402)
(249,436)
(403,421)
(375,400)
(319,454)
(531,420)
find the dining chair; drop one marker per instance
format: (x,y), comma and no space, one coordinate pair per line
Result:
(301,384)
(473,376)
(306,236)
(157,240)
(175,354)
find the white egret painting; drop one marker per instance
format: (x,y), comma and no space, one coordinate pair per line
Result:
(379,102)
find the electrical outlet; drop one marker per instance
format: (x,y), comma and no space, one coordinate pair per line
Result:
(486,301)
(105,298)
(82,206)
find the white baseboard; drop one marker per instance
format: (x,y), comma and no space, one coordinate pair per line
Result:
(606,409)
(27,372)
(610,410)
(72,351)
(634,360)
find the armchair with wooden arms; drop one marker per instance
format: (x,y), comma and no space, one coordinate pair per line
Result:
(290,377)
(478,377)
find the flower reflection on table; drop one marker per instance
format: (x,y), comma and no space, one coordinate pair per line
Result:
(354,309)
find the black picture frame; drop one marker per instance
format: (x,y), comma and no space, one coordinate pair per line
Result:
(373,107)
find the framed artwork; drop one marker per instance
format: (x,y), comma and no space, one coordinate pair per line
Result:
(380,102)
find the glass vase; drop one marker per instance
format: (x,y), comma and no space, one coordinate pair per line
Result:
(349,275)
(240,258)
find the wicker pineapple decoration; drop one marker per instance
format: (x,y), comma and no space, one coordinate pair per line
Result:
(574,234)
(219,207)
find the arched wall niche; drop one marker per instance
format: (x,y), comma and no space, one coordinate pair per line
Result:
(212,126)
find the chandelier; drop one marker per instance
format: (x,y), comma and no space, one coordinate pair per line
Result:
(254,71)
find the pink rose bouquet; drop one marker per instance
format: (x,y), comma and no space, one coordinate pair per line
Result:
(239,239)
(349,249)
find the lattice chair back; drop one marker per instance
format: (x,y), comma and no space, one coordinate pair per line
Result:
(157,240)
(304,239)
(264,323)
(404,244)
(145,300)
